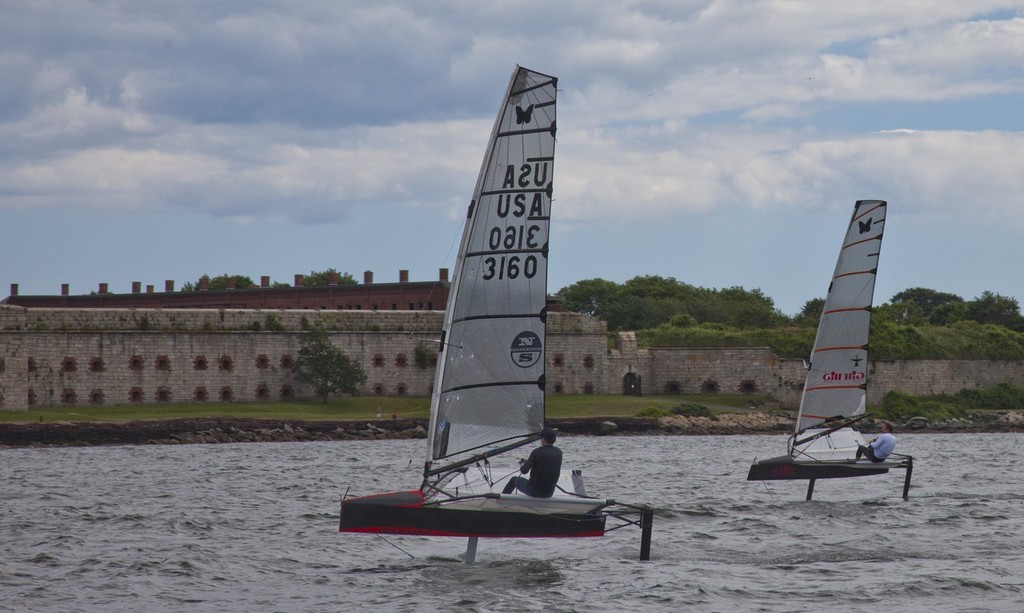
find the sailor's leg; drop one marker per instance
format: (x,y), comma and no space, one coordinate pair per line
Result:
(510,486)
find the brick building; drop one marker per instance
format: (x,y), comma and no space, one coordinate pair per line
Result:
(402,296)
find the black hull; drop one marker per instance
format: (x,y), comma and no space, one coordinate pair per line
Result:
(406,513)
(785,468)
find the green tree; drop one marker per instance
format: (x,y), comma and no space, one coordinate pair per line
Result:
(326,277)
(948,314)
(325,366)
(810,314)
(653,286)
(926,299)
(992,308)
(220,282)
(907,312)
(590,297)
(746,308)
(648,301)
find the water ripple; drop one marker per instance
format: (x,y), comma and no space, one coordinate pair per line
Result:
(252,527)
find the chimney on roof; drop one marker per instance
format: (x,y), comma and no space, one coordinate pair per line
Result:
(300,280)
(65,289)
(442,275)
(14,289)
(265,281)
(204,283)
(136,287)
(149,288)
(368,277)
(169,285)
(103,288)
(229,283)
(403,276)
(332,278)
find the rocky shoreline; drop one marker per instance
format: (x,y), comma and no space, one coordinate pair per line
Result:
(230,430)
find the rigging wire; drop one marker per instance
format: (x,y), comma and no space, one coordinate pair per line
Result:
(506,476)
(395,546)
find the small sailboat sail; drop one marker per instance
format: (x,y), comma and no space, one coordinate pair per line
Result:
(835,390)
(489,384)
(488,394)
(836,384)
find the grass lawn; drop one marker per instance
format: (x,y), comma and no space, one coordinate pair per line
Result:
(561,405)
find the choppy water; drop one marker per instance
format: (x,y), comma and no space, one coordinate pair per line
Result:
(252,527)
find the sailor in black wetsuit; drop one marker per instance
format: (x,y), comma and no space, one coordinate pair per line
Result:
(544,466)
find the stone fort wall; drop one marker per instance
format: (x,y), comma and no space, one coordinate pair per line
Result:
(84,357)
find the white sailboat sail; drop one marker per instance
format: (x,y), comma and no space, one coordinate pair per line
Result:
(836,384)
(489,384)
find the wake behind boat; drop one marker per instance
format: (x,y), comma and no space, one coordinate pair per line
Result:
(834,398)
(488,393)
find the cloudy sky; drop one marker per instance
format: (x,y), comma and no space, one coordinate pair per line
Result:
(719,142)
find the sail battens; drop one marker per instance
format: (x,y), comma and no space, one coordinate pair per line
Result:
(829,388)
(821,417)
(871,210)
(462,388)
(490,316)
(519,92)
(477,254)
(540,130)
(854,273)
(866,240)
(840,348)
(526,190)
(847,310)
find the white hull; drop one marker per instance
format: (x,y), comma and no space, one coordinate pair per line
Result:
(475,494)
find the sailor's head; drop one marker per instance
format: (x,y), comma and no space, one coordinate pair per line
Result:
(886,426)
(548,435)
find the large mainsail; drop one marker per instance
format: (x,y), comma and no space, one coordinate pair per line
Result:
(836,384)
(489,384)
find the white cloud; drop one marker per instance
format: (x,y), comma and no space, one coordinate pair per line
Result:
(314,110)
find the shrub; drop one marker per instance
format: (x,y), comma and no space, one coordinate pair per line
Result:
(423,355)
(653,412)
(692,410)
(899,407)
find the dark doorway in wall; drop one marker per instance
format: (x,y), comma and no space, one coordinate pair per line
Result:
(631,384)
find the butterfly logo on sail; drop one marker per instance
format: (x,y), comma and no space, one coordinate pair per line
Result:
(524,115)
(865,226)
